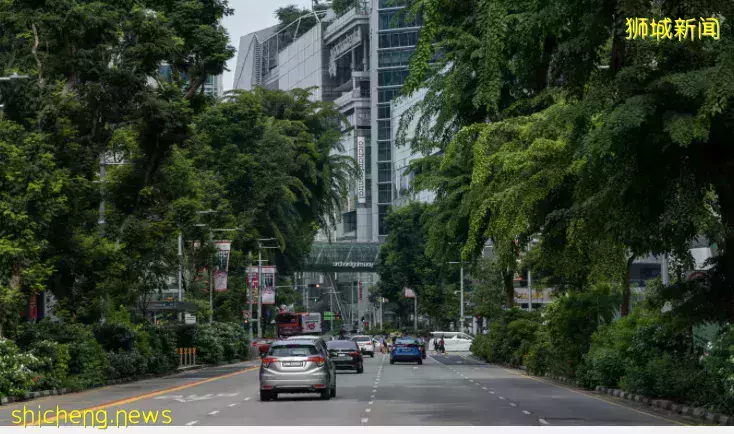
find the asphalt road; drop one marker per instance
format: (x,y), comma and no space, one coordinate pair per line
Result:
(445,390)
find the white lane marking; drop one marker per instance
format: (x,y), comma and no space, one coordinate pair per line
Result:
(371,402)
(372,396)
(526,412)
(502,398)
(543,421)
(213,412)
(364,420)
(374,390)
(247,399)
(492,392)
(484,388)
(193,422)
(512,404)
(367,410)
(232,405)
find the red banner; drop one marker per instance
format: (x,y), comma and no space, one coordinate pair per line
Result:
(360,291)
(34,307)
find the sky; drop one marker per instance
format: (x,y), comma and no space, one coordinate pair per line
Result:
(249,16)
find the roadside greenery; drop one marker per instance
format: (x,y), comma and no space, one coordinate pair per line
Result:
(51,355)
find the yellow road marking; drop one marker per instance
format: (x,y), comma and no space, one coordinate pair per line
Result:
(596,397)
(152,394)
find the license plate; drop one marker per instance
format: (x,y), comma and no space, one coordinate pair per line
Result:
(292,364)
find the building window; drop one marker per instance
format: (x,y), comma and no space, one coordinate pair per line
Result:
(394,58)
(368,159)
(393,3)
(384,130)
(384,173)
(383,111)
(350,221)
(381,215)
(398,19)
(384,193)
(384,151)
(392,77)
(398,39)
(387,95)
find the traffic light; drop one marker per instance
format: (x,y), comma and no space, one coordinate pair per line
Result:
(338,315)
(318,285)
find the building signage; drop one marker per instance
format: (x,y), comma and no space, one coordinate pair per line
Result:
(353,264)
(343,47)
(361,193)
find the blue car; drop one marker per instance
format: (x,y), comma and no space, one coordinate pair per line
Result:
(406,350)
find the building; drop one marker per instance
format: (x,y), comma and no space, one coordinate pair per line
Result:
(213,85)
(358,60)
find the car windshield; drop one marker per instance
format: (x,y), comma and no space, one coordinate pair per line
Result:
(341,345)
(293,351)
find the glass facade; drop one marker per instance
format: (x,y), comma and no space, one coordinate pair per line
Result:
(396,40)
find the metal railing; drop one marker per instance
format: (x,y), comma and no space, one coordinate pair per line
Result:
(341,20)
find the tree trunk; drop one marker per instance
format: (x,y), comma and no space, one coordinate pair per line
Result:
(509,288)
(626,295)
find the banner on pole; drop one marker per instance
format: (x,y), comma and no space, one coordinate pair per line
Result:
(409,293)
(269,274)
(360,291)
(221,265)
(361,190)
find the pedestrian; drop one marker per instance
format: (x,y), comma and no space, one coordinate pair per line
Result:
(441,346)
(435,344)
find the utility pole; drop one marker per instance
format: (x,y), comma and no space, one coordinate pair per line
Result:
(415,314)
(249,293)
(180,273)
(260,284)
(461,314)
(211,281)
(530,291)
(331,309)
(351,306)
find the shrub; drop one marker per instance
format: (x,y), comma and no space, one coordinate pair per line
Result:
(115,337)
(209,349)
(125,364)
(54,360)
(89,363)
(17,369)
(161,342)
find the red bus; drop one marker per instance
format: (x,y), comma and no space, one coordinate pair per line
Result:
(289,324)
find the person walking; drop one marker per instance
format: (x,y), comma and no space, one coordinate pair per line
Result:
(441,346)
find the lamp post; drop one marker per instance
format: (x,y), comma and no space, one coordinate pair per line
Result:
(461,297)
(260,282)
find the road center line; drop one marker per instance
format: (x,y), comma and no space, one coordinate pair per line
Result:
(526,412)
(484,388)
(371,402)
(364,420)
(502,398)
(367,410)
(492,392)
(512,404)
(543,421)
(232,405)
(213,412)
(247,399)
(193,422)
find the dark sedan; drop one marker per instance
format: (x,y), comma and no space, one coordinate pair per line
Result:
(345,355)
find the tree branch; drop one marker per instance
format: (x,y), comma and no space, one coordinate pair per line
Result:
(34,50)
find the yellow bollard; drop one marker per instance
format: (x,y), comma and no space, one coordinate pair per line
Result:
(194,355)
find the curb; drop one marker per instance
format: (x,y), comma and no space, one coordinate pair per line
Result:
(5,400)
(664,404)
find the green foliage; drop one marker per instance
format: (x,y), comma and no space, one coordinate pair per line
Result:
(342,6)
(16,369)
(510,337)
(53,368)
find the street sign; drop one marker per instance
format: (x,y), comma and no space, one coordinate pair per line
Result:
(246,314)
(328,315)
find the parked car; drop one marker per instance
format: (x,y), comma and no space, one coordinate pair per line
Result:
(406,350)
(366,345)
(297,366)
(346,355)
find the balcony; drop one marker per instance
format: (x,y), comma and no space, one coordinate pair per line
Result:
(355,98)
(355,16)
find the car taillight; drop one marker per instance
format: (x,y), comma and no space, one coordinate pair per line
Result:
(319,360)
(354,354)
(268,360)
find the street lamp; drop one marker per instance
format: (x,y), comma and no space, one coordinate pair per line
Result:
(211,265)
(461,302)
(260,282)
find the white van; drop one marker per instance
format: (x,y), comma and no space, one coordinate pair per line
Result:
(453,341)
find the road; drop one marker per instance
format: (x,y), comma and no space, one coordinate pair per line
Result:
(453,390)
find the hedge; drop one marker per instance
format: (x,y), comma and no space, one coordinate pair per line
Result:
(51,355)
(648,352)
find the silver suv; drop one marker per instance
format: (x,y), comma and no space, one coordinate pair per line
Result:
(297,366)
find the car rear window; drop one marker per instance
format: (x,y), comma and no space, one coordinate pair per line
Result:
(341,345)
(293,351)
